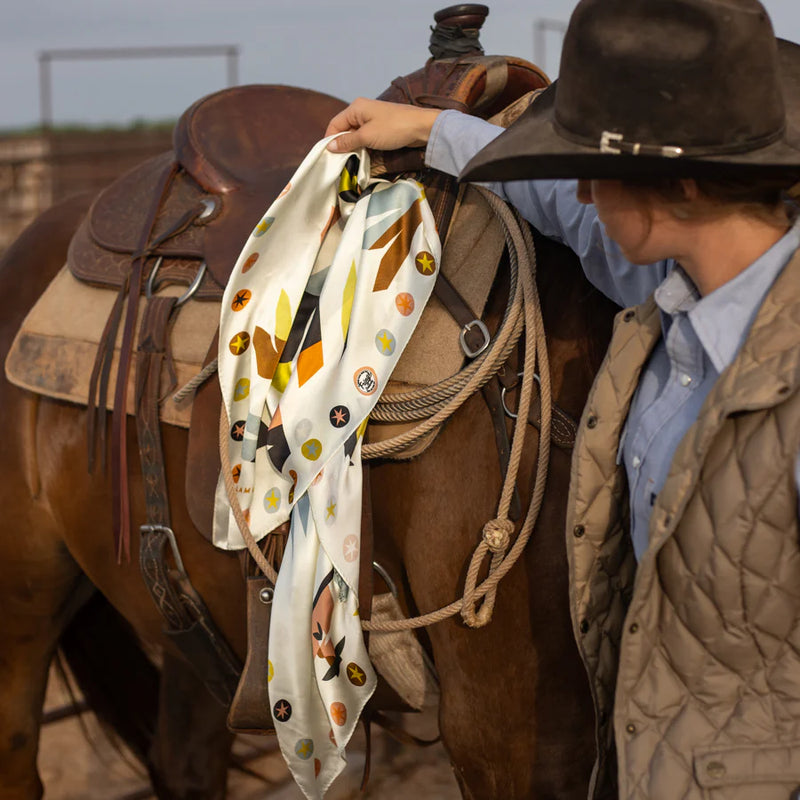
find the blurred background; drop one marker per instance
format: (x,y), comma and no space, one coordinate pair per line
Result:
(72,119)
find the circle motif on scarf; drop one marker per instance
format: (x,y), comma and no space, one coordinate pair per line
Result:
(304,749)
(350,548)
(312,449)
(405,303)
(241,299)
(425,263)
(366,380)
(355,674)
(282,711)
(272,500)
(385,342)
(242,389)
(237,430)
(339,713)
(263,227)
(340,416)
(239,343)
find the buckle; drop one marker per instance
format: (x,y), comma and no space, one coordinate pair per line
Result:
(606,145)
(170,534)
(468,351)
(614,144)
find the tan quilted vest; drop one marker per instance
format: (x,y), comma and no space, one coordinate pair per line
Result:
(694,658)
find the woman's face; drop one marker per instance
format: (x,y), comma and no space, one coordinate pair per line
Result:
(630,219)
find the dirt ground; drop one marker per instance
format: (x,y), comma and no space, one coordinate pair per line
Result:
(77,762)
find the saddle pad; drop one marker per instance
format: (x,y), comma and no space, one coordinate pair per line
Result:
(53,352)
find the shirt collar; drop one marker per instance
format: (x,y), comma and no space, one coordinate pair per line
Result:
(722,318)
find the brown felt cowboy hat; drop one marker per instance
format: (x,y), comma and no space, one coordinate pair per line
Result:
(659,88)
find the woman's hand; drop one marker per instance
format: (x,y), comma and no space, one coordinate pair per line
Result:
(379,125)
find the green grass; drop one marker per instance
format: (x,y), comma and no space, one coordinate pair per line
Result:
(81,127)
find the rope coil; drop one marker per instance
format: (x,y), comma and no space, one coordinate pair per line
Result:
(523,312)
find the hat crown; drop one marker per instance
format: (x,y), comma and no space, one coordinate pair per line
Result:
(695,74)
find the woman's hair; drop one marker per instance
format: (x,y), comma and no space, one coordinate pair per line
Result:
(771,200)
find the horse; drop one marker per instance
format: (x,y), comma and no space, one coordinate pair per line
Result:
(515,713)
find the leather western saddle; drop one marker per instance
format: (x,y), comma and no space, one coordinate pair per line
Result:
(181,218)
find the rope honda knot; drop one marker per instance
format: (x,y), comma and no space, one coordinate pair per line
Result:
(497,534)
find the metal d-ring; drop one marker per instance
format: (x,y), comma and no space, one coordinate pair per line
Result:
(191,289)
(209,207)
(386,577)
(506,410)
(468,351)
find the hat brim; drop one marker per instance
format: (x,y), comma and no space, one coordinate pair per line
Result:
(532,148)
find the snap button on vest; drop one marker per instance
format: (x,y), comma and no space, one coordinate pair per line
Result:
(629,315)
(584,626)
(266,595)
(715,769)
(630,728)
(591,421)
(634,627)
(578,531)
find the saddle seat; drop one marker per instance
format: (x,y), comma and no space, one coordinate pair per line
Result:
(234,151)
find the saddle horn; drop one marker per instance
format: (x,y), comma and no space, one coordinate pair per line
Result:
(457,31)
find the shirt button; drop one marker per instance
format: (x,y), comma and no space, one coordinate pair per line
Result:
(685,379)
(636,461)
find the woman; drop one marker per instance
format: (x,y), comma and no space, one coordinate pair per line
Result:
(680,120)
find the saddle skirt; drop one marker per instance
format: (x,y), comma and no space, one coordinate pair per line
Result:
(233,152)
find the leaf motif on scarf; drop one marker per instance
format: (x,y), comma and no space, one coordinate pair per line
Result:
(348,294)
(398,236)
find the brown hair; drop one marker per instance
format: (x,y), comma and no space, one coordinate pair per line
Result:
(766,199)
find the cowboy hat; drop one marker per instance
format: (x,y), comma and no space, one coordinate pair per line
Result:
(659,88)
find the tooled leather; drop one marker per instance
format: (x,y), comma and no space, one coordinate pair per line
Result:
(232,149)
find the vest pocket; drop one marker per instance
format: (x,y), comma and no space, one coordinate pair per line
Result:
(760,772)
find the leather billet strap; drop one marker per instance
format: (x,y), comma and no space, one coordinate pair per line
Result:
(563,428)
(188,623)
(119,450)
(251,711)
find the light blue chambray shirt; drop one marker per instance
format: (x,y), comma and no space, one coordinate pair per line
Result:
(701,335)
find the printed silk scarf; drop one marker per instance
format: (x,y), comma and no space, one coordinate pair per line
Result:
(320,305)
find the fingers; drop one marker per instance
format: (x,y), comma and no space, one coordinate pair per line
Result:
(379,125)
(351,119)
(345,120)
(347,142)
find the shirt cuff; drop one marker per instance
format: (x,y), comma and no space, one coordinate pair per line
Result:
(455,138)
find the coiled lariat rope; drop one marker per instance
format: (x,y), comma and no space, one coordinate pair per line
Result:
(435,404)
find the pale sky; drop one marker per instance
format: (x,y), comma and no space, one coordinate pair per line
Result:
(343,47)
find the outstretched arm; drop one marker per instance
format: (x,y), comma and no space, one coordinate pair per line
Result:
(452,139)
(379,125)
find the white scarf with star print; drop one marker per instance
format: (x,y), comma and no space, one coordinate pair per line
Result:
(321,303)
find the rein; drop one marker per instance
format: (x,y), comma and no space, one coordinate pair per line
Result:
(434,405)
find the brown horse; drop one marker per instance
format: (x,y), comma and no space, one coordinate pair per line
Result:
(515,714)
